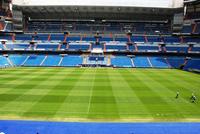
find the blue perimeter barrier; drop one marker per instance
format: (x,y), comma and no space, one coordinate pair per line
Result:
(36,127)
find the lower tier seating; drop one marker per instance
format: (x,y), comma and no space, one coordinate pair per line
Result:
(18,60)
(52,60)
(71,61)
(159,62)
(4,62)
(175,61)
(121,61)
(141,62)
(192,64)
(115,61)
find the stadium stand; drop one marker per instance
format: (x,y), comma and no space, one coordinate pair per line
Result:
(176,62)
(51,60)
(17,60)
(141,62)
(159,62)
(121,61)
(193,64)
(47,46)
(71,60)
(3,61)
(34,60)
(116,61)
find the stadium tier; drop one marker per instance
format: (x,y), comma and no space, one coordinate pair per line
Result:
(63,50)
(114,61)
(115,37)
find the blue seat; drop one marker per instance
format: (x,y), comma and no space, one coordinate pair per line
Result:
(175,62)
(34,60)
(196,49)
(121,61)
(17,60)
(116,47)
(138,39)
(192,64)
(71,61)
(1,46)
(141,62)
(158,62)
(122,39)
(47,46)
(177,48)
(78,47)
(52,60)
(3,61)
(147,48)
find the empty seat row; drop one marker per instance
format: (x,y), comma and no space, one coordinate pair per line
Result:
(116,61)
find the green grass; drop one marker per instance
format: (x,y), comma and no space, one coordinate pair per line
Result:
(98,94)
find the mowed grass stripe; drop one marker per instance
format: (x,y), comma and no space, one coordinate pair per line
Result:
(8,79)
(77,102)
(165,92)
(183,103)
(48,104)
(17,88)
(190,81)
(155,100)
(172,79)
(21,94)
(143,93)
(103,103)
(128,102)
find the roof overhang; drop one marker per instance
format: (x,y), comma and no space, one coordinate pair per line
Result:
(97,12)
(102,9)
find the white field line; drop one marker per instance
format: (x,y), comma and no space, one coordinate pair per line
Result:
(91,91)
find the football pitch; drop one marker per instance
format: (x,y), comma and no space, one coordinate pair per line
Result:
(98,94)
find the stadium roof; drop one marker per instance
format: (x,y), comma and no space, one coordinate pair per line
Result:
(121,3)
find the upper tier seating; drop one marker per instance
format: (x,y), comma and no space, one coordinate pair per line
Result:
(107,27)
(137,38)
(79,46)
(177,48)
(17,46)
(85,46)
(116,46)
(187,29)
(196,48)
(47,46)
(147,48)
(198,28)
(73,38)
(1,47)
